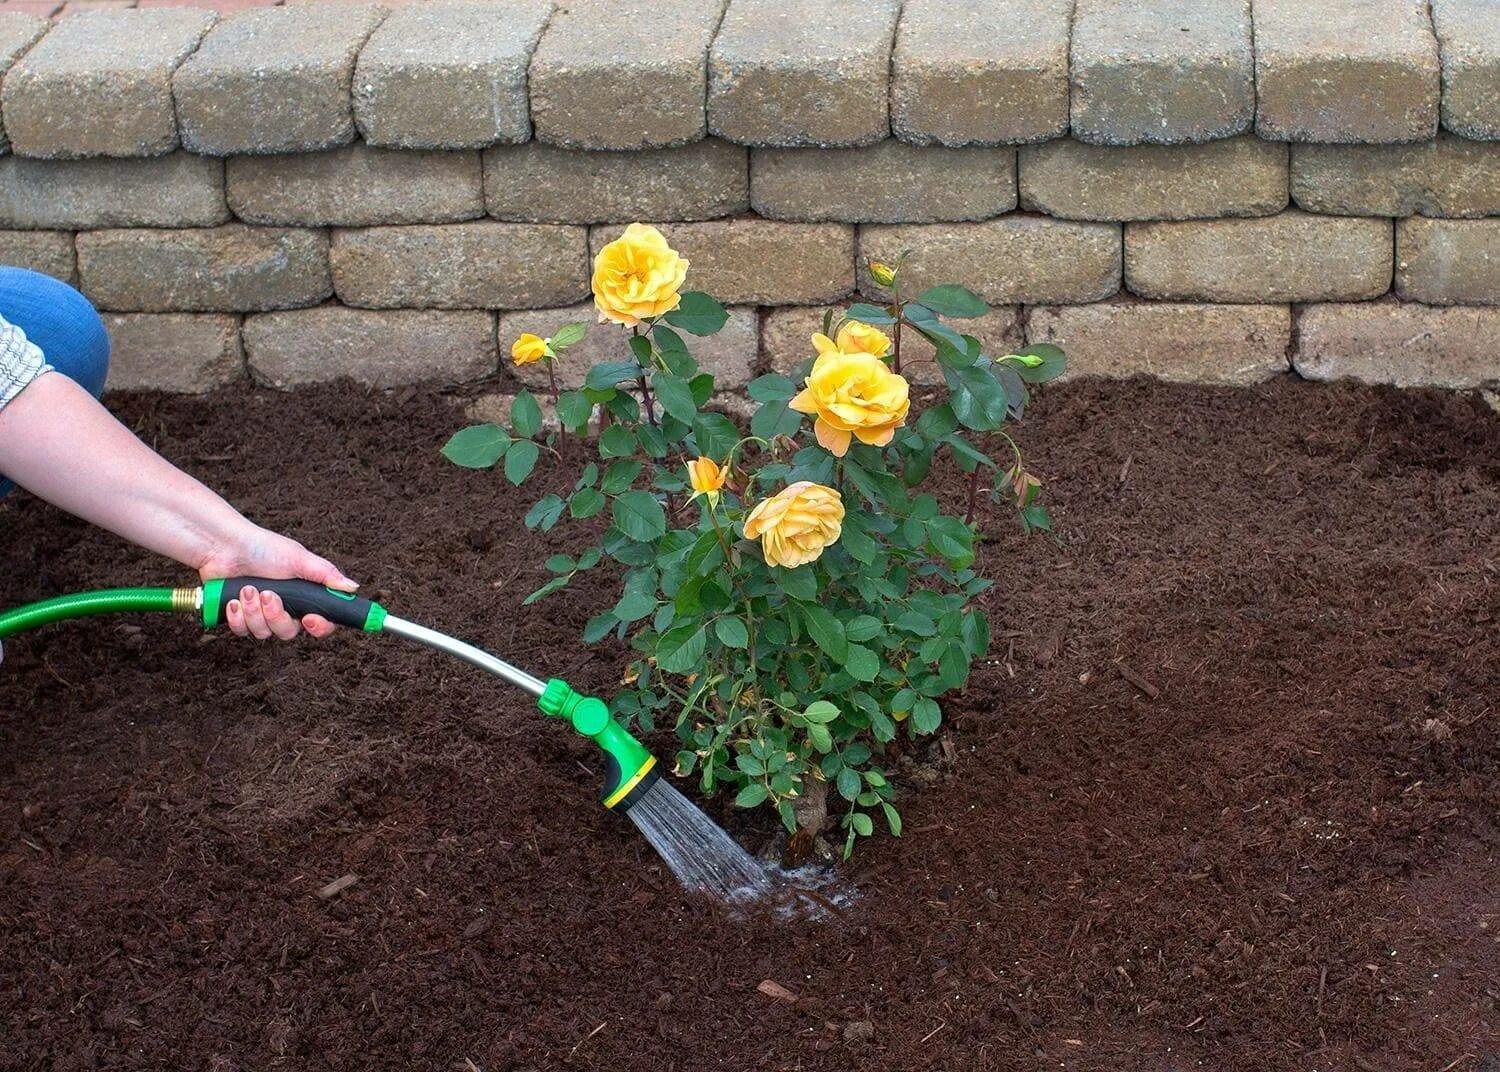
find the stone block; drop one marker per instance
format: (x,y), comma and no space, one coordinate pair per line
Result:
(176,190)
(386,348)
(100,84)
(185,353)
(478,265)
(448,75)
(760,262)
(225,269)
(1345,71)
(1016,259)
(730,354)
(541,183)
(1468,33)
(990,74)
(18,32)
(1450,176)
(793,75)
(1187,343)
(1448,262)
(274,80)
(786,336)
(612,75)
(888,182)
(1290,257)
(1161,71)
(1233,177)
(1402,343)
(356,187)
(48,252)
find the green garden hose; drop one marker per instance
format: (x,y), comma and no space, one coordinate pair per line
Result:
(632,769)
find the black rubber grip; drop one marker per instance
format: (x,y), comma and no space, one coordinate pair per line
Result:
(304,597)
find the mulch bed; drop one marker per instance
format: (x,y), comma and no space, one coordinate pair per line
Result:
(1226,796)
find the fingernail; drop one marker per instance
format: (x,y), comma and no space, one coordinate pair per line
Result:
(234,606)
(247,594)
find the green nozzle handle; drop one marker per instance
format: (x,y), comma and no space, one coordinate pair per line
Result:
(632,769)
(299,598)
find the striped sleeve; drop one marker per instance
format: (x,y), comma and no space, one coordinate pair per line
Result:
(20,361)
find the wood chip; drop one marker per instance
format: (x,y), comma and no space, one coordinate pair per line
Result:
(337,886)
(479,926)
(1139,682)
(775,991)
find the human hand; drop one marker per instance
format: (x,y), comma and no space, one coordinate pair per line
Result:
(258,552)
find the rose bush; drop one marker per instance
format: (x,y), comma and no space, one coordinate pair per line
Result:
(796,604)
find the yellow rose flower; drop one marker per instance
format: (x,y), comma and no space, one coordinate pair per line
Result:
(858,338)
(797,523)
(707,478)
(637,277)
(529,348)
(853,395)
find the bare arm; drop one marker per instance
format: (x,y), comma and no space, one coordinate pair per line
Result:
(60,444)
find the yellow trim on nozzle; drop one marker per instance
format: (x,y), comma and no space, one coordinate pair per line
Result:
(635,780)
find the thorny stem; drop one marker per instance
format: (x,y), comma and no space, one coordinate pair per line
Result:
(973,494)
(562,435)
(896,347)
(749,614)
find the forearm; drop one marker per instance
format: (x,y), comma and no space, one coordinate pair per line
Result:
(60,444)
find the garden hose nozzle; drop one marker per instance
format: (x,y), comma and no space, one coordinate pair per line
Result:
(632,769)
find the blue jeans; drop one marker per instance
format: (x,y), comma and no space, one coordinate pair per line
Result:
(62,323)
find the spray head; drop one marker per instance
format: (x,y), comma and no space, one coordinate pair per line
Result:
(632,769)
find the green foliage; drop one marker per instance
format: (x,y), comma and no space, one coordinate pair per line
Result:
(782,681)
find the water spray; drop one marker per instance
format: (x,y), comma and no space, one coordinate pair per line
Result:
(698,851)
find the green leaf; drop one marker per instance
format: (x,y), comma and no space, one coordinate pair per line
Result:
(922,318)
(862,627)
(771,388)
(848,783)
(799,583)
(826,630)
(638,515)
(599,627)
(525,416)
(926,716)
(546,590)
(753,794)
(681,650)
(874,315)
(478,446)
(821,711)
(732,633)
(616,441)
(1053,363)
(950,299)
(916,623)
(892,818)
(862,824)
(675,396)
(773,419)
(609,373)
(698,314)
(559,564)
(619,476)
(639,597)
(586,502)
(949,537)
(569,335)
(574,410)
(545,513)
(640,347)
(821,739)
(862,663)
(715,435)
(750,764)
(978,400)
(520,459)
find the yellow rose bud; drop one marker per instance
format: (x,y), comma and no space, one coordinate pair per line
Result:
(796,524)
(529,348)
(858,338)
(637,277)
(707,478)
(853,395)
(883,274)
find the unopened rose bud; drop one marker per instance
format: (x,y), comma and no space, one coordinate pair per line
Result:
(883,274)
(1029,360)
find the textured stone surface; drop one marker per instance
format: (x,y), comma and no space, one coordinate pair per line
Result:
(233,268)
(177,190)
(1290,257)
(786,337)
(966,74)
(448,75)
(536,182)
(18,32)
(793,75)
(188,353)
(379,349)
(356,187)
(1161,71)
(48,252)
(889,182)
(760,262)
(623,74)
(100,84)
(274,80)
(1401,343)
(730,354)
(1015,259)
(1345,70)
(1451,176)
(1468,32)
(1448,262)
(1230,344)
(478,265)
(1233,177)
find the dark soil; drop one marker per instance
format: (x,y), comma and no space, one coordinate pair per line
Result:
(1227,796)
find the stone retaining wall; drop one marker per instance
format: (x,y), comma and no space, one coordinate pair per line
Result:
(1206,190)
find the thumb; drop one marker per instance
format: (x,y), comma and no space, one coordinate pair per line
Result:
(324,572)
